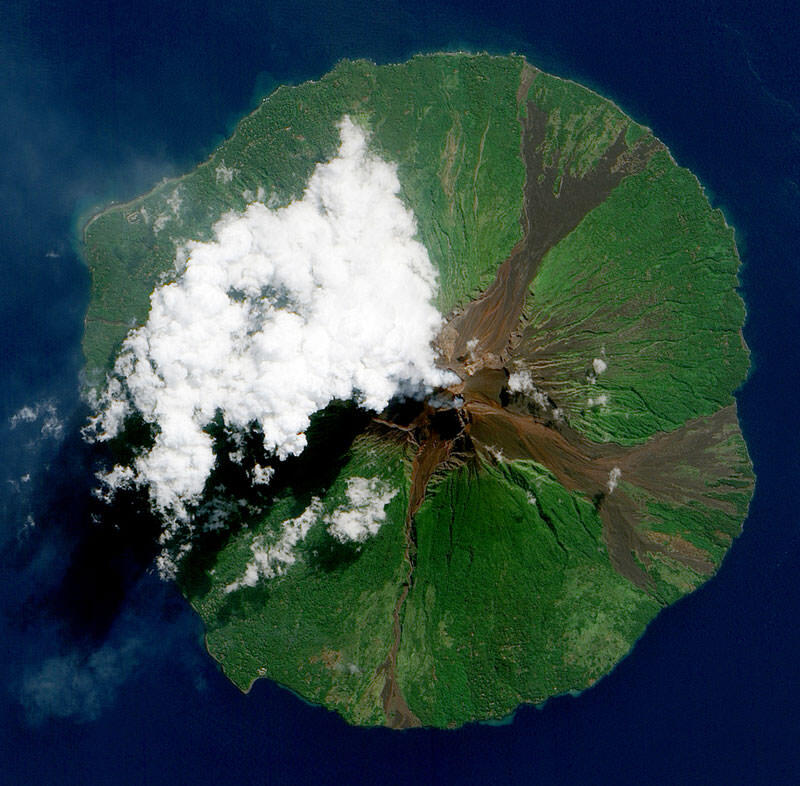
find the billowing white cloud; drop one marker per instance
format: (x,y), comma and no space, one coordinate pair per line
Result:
(613,479)
(285,310)
(363,516)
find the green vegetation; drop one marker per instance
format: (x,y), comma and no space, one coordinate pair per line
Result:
(580,125)
(646,284)
(514,600)
(631,325)
(460,171)
(323,628)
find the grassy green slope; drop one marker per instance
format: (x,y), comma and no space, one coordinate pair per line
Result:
(448,121)
(504,608)
(580,125)
(323,628)
(456,138)
(514,598)
(647,283)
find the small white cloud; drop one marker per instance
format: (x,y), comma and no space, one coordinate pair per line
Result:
(273,559)
(261,476)
(259,195)
(598,401)
(217,512)
(174,201)
(112,481)
(363,516)
(522,382)
(613,479)
(225,174)
(46,412)
(24,415)
(599,365)
(161,221)
(356,520)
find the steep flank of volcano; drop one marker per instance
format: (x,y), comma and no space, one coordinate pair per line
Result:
(507,536)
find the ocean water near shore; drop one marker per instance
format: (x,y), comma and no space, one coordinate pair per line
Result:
(104,678)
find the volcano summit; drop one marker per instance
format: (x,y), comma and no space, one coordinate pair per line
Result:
(430,369)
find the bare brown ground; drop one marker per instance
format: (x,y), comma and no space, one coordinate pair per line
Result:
(547,218)
(678,467)
(484,425)
(432,450)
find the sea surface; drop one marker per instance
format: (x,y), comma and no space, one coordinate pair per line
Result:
(103,674)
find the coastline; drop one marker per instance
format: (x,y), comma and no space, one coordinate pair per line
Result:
(524,62)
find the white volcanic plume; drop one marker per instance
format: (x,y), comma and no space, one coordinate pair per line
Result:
(285,310)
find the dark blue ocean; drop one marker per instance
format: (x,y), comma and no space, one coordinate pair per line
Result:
(103,675)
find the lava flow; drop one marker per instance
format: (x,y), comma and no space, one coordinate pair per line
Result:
(478,418)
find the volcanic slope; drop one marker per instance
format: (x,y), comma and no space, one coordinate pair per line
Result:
(587,470)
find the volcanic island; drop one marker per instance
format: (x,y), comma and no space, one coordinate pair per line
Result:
(583,466)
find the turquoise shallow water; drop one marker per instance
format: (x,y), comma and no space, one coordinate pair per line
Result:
(103,677)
